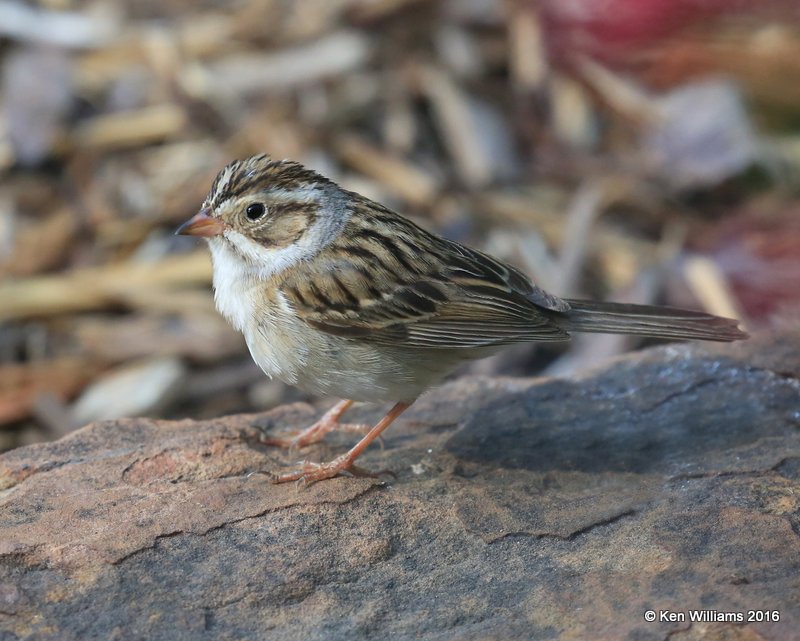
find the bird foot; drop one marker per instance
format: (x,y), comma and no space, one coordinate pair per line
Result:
(308,472)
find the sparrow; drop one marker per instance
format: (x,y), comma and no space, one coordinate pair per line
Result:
(343,297)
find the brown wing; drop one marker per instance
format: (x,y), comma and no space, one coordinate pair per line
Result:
(386,289)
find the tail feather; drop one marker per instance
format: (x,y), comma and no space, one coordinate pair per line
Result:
(646,320)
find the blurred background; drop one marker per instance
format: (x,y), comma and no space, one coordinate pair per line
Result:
(635,150)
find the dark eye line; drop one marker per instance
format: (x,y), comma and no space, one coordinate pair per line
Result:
(255,211)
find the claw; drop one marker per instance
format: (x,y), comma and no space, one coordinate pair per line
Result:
(307,473)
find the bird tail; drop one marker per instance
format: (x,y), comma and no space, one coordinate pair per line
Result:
(646,320)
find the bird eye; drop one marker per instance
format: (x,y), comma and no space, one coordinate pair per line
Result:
(255,211)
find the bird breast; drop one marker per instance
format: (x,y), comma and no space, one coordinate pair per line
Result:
(287,348)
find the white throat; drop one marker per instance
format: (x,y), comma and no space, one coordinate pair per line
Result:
(241,265)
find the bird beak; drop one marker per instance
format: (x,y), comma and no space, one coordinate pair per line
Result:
(201,224)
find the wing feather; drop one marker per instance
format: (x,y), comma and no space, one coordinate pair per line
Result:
(371,287)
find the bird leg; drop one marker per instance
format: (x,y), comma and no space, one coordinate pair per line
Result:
(314,434)
(307,472)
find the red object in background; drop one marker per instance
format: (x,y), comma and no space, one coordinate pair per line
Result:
(612,30)
(760,255)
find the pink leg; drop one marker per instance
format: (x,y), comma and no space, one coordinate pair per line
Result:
(314,434)
(307,472)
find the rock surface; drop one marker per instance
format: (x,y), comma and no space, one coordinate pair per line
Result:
(522,509)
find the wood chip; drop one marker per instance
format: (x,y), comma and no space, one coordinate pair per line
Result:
(329,56)
(22,384)
(456,125)
(40,245)
(528,61)
(581,215)
(53,415)
(609,244)
(572,118)
(98,287)
(132,390)
(397,175)
(131,128)
(203,337)
(58,28)
(710,286)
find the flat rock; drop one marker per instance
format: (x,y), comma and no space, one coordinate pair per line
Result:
(667,480)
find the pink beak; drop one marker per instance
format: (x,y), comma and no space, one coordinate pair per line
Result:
(201,224)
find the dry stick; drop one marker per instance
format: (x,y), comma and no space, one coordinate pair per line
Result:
(610,245)
(395,174)
(98,287)
(709,285)
(585,208)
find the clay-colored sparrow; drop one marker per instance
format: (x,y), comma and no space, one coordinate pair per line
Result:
(341,296)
